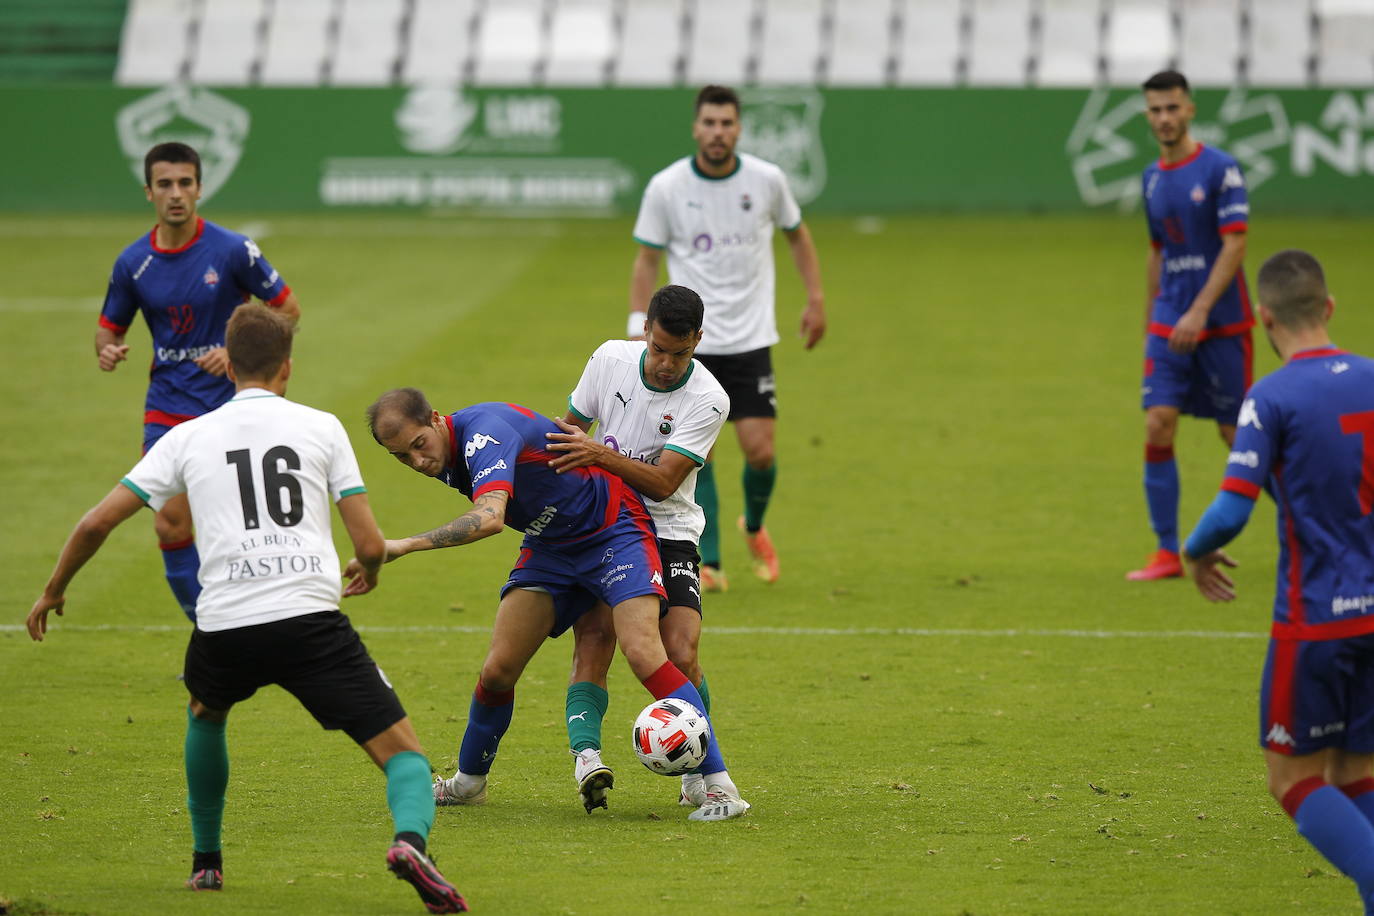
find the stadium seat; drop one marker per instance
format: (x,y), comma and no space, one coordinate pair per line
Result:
(1209,42)
(438,43)
(1140,41)
(369,42)
(1280,43)
(650,43)
(1070,43)
(582,43)
(227,42)
(932,42)
(999,45)
(861,46)
(152,46)
(1345,45)
(296,43)
(510,42)
(720,43)
(789,54)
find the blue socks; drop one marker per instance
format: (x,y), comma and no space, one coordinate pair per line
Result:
(207,776)
(182,564)
(408,793)
(1161,494)
(668,681)
(489,716)
(1337,828)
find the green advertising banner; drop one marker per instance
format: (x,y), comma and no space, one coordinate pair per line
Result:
(592,150)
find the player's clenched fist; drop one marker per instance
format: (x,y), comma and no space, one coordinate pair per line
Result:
(112,355)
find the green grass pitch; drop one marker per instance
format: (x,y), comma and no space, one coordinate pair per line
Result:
(951,702)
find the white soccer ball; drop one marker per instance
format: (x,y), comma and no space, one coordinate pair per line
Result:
(670,736)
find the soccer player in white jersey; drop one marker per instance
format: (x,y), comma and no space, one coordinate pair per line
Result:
(714,212)
(260,472)
(659,413)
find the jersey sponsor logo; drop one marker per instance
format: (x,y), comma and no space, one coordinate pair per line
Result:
(1357,604)
(1330,728)
(537,526)
(1233,210)
(279,565)
(215,126)
(272,278)
(681,568)
(608,556)
(485,472)
(653,457)
(181,354)
(1232,178)
(1279,735)
(479,441)
(617,574)
(702,242)
(1248,415)
(1185,263)
(142,267)
(211,277)
(1197,194)
(1248,458)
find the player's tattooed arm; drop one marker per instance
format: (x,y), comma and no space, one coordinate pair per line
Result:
(487,516)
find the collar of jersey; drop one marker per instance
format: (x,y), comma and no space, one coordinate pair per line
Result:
(200,230)
(700,174)
(1318,352)
(249,394)
(1170,166)
(645,381)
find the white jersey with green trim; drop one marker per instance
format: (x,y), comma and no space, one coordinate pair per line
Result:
(719,237)
(641,422)
(261,473)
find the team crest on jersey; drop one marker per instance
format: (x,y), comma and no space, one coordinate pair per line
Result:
(211,277)
(666,426)
(1197,194)
(745,203)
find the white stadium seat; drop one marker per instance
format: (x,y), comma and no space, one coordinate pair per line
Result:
(1070,43)
(152,45)
(368,44)
(297,36)
(861,43)
(1209,44)
(650,43)
(719,49)
(791,46)
(583,41)
(931,43)
(438,43)
(1140,41)
(510,41)
(1345,48)
(1280,42)
(1000,44)
(226,44)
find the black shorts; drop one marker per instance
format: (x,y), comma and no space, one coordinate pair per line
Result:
(748,379)
(317,658)
(682,574)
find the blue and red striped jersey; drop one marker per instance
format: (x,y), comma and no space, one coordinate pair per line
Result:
(498,446)
(186,296)
(1189,206)
(1306,434)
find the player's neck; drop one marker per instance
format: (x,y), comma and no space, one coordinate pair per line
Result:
(171,237)
(724,170)
(1291,343)
(1180,151)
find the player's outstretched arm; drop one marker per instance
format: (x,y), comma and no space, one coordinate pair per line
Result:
(809,266)
(1154,264)
(110,349)
(369,547)
(82,544)
(643,282)
(487,517)
(579,450)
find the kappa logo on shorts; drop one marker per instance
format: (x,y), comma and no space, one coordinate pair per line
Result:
(1279,735)
(656,579)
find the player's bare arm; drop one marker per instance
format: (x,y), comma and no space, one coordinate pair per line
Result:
(579,450)
(369,547)
(487,517)
(1190,326)
(82,544)
(1154,264)
(110,349)
(643,282)
(809,266)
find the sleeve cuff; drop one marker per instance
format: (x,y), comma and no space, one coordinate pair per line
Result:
(1234,227)
(280,297)
(486,488)
(351,491)
(1240,487)
(109,325)
(577,413)
(697,459)
(648,244)
(792,228)
(134,488)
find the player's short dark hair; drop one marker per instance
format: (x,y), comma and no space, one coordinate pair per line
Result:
(258,340)
(677,310)
(717,95)
(1292,286)
(398,404)
(169,152)
(1167,79)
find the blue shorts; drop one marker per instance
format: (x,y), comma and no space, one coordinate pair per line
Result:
(151,433)
(615,564)
(1317,694)
(1210,382)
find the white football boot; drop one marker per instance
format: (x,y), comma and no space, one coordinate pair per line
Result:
(462,789)
(593,778)
(693,794)
(722,803)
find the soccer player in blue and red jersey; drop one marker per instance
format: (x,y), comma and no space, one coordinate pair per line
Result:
(1197,311)
(588,538)
(1306,436)
(186,276)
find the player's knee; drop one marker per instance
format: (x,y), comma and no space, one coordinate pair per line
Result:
(499,675)
(1159,428)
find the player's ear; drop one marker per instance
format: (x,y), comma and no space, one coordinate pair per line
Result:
(1330,307)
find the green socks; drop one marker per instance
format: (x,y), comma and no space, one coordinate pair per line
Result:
(705,696)
(207,776)
(758,488)
(710,504)
(586,707)
(409,794)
